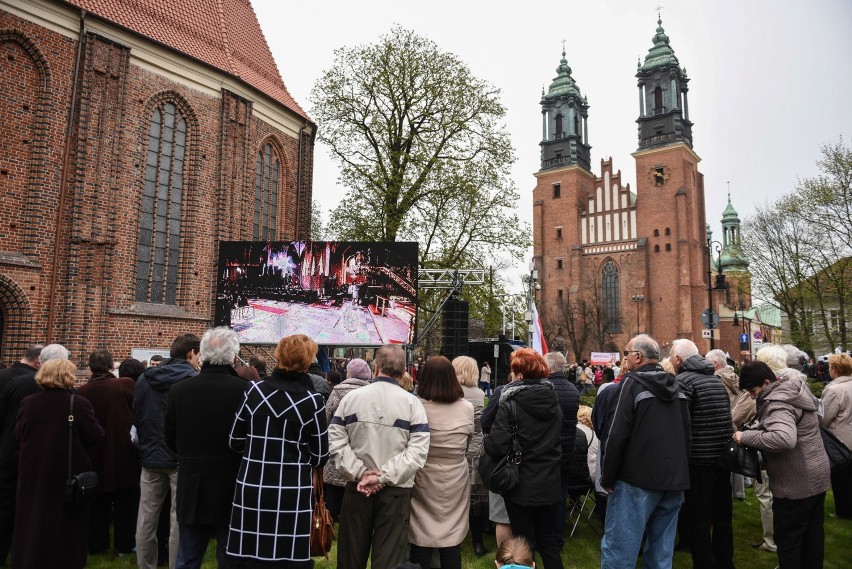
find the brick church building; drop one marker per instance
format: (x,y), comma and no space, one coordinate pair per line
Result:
(613,261)
(136,135)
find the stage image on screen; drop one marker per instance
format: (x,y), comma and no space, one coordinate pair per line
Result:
(335,292)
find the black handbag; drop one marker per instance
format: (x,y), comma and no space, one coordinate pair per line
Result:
(80,489)
(501,476)
(838,453)
(741,459)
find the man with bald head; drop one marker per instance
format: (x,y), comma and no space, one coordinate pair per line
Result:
(645,461)
(378,440)
(708,504)
(569,402)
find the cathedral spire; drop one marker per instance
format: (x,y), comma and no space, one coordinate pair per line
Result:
(565,112)
(663,106)
(732,257)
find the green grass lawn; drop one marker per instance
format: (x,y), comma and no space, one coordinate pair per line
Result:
(582,551)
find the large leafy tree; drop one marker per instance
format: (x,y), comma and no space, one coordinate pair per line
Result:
(422,150)
(425,157)
(800,249)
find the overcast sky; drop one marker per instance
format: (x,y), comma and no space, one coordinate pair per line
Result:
(770,79)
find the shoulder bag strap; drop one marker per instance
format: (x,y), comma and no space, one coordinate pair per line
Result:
(515,450)
(70,432)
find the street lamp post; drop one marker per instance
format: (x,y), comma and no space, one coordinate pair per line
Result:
(720,284)
(532,286)
(638,299)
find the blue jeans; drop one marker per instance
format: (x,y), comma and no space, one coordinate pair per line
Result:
(632,511)
(193,541)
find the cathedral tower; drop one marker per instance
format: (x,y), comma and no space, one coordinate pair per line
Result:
(670,196)
(663,105)
(564,114)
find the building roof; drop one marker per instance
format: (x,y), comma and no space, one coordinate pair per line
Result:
(661,54)
(224,34)
(563,84)
(730,214)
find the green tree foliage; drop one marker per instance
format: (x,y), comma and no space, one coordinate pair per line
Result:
(422,150)
(800,249)
(425,157)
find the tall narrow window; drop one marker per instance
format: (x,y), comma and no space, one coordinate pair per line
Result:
(266,194)
(557,190)
(658,101)
(162,206)
(559,125)
(612,310)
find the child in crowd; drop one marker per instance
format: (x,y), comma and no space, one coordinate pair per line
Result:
(514,553)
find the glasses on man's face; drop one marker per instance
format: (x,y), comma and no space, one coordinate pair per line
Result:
(628,352)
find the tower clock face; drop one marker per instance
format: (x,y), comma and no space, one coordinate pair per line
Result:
(658,175)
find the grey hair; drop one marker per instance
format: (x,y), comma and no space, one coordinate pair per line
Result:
(219,346)
(796,358)
(53,352)
(772,355)
(683,348)
(390,360)
(647,346)
(555,361)
(717,357)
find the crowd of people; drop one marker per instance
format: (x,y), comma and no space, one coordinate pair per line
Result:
(197,448)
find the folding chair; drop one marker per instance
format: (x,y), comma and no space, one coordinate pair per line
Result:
(581,500)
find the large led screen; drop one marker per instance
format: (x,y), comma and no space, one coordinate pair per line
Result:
(336,292)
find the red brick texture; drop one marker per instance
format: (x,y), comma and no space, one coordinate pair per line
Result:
(94,301)
(664,261)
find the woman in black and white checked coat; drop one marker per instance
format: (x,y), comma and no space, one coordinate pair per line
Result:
(281,431)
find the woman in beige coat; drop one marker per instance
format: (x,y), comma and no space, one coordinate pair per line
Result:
(837,418)
(440,499)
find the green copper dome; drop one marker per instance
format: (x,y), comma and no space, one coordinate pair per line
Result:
(730,214)
(662,54)
(563,84)
(732,259)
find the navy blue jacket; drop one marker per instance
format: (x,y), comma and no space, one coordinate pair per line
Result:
(649,438)
(149,411)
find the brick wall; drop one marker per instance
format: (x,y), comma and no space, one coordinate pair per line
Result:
(94,303)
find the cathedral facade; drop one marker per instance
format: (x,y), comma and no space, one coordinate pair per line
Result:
(136,136)
(614,261)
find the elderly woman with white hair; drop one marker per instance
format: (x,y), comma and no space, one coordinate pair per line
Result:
(358,374)
(794,455)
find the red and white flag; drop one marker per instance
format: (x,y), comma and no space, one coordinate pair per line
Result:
(538,342)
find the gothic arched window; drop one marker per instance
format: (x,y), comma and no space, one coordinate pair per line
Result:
(266,194)
(612,310)
(162,207)
(559,125)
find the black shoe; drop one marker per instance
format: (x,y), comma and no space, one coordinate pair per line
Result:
(479,549)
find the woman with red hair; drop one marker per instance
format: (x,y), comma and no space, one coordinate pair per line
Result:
(532,503)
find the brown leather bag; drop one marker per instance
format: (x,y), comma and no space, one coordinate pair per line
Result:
(322,526)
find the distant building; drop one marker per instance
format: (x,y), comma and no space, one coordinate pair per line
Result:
(613,261)
(136,135)
(825,319)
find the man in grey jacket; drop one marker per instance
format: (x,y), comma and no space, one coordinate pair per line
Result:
(378,439)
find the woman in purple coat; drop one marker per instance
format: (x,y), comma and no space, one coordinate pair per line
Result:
(47,532)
